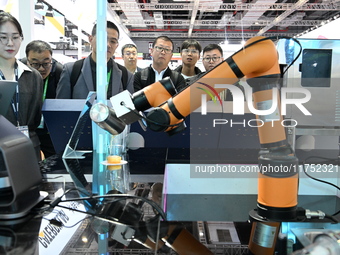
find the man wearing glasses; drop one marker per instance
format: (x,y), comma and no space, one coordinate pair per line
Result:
(190,53)
(212,56)
(129,54)
(161,54)
(39,57)
(79,78)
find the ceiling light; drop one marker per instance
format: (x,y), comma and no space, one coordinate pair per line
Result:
(39,5)
(49,12)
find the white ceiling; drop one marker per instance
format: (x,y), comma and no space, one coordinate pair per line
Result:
(232,20)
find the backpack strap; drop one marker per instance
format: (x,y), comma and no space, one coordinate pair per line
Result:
(76,73)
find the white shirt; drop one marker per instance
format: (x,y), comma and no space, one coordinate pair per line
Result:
(158,76)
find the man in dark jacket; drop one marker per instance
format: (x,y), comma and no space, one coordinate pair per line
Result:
(77,84)
(39,57)
(190,53)
(161,53)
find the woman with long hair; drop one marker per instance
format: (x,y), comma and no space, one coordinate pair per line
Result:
(25,109)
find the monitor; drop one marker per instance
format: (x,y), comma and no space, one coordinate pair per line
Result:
(7,89)
(69,124)
(316,70)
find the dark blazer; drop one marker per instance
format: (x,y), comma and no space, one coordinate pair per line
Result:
(30,102)
(85,84)
(179,82)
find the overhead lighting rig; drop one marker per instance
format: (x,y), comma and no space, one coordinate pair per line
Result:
(49,12)
(39,5)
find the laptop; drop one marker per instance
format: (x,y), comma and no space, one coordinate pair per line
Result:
(7,89)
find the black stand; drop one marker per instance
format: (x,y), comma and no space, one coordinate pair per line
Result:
(19,161)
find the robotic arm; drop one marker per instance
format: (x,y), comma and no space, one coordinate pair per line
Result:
(258,62)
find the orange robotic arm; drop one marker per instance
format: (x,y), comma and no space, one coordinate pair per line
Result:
(258,62)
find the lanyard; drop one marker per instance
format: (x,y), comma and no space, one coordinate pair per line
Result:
(108,79)
(15,105)
(45,88)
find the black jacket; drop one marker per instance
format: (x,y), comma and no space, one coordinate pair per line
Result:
(178,80)
(179,69)
(53,77)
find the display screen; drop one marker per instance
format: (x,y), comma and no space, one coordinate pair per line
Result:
(316,68)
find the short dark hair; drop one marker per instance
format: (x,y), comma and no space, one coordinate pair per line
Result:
(128,45)
(164,38)
(213,46)
(109,24)
(38,46)
(7,17)
(191,43)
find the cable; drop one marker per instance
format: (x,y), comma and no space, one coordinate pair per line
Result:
(327,160)
(316,179)
(60,224)
(332,218)
(120,197)
(276,38)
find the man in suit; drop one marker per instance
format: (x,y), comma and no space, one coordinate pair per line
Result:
(129,55)
(86,78)
(39,57)
(161,53)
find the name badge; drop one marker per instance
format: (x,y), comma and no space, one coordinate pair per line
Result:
(24,130)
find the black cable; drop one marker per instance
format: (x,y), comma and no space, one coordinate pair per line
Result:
(276,38)
(332,218)
(334,214)
(316,179)
(101,217)
(327,160)
(60,224)
(120,197)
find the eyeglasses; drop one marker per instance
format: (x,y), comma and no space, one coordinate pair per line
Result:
(5,39)
(130,53)
(38,65)
(187,51)
(208,59)
(160,49)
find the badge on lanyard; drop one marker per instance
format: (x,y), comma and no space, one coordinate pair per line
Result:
(24,130)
